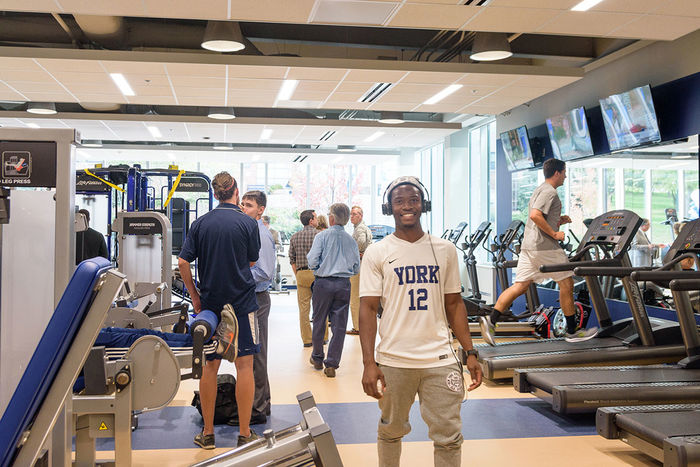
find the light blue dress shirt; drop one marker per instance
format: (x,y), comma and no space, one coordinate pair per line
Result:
(334,253)
(264,269)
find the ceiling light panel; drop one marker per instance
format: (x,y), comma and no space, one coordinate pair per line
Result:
(266,134)
(287,89)
(154,131)
(433,16)
(585,5)
(374,136)
(122,84)
(349,12)
(442,94)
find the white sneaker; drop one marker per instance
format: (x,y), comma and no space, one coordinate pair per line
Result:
(488,330)
(581,335)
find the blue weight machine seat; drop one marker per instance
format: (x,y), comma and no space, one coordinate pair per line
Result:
(49,356)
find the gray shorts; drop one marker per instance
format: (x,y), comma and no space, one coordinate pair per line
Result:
(529,263)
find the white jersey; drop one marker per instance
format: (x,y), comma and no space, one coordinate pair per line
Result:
(413,328)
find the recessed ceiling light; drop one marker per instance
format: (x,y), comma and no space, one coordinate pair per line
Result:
(442,94)
(585,5)
(680,156)
(122,84)
(41,108)
(223,36)
(287,89)
(346,148)
(33,125)
(266,133)
(221,113)
(391,118)
(154,131)
(374,136)
(222,147)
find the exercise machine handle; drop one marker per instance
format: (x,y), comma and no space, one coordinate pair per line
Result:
(664,275)
(614,271)
(570,266)
(685,284)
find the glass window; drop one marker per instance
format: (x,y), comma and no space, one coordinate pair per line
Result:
(583,197)
(691,209)
(634,190)
(524,184)
(609,176)
(492,177)
(664,195)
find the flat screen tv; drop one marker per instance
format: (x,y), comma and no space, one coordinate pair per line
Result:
(569,135)
(516,145)
(630,119)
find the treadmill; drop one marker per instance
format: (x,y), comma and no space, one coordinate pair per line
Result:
(637,340)
(578,390)
(668,433)
(510,325)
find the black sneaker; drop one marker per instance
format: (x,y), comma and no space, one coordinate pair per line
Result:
(204,441)
(227,334)
(247,439)
(317,365)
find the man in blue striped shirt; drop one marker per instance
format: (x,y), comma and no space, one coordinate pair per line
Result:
(334,258)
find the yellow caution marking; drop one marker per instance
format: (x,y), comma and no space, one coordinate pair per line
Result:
(103,427)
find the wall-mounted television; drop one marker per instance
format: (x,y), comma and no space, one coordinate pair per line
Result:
(630,118)
(569,135)
(516,146)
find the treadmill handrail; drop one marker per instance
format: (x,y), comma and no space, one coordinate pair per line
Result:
(684,284)
(614,271)
(658,275)
(570,266)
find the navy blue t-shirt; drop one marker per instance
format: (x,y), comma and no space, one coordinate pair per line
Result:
(224,241)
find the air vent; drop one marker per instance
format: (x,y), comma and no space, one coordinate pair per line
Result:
(375,92)
(300,158)
(327,135)
(477,2)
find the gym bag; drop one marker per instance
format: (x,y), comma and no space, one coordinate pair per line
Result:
(226,408)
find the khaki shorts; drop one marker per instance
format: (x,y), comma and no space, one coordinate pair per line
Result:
(529,263)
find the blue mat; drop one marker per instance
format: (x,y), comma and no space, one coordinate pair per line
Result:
(352,423)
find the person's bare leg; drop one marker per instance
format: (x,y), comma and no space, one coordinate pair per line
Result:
(245,392)
(207,394)
(508,296)
(566,296)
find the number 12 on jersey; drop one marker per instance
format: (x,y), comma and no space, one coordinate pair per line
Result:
(418,298)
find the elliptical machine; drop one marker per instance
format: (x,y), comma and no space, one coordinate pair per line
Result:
(478,237)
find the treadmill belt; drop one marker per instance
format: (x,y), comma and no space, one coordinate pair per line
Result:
(654,427)
(546,345)
(547,380)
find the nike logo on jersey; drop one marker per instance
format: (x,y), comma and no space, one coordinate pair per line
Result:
(417,274)
(391,261)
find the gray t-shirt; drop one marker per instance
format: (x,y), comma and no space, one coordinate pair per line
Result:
(546,200)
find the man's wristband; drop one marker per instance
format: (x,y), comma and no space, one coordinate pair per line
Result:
(473,352)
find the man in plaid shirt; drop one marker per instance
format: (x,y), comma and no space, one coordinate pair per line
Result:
(299,246)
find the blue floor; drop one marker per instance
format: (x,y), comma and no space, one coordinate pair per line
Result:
(174,427)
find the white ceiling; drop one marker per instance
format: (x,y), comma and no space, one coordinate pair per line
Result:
(209,79)
(638,19)
(205,133)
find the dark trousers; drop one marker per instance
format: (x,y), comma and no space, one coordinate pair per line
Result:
(331,299)
(261,402)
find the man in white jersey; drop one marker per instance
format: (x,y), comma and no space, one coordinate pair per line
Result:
(415,277)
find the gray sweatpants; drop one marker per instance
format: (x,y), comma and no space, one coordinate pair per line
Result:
(440,393)
(261,403)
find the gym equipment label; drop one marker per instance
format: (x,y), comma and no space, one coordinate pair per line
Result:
(28,164)
(84,182)
(142,226)
(103,427)
(193,184)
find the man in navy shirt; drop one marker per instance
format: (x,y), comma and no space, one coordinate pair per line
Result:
(225,242)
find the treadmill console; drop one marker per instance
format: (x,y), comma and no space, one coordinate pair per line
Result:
(615,229)
(688,240)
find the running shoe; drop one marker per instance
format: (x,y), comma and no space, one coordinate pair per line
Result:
(488,330)
(204,441)
(247,439)
(581,335)
(227,334)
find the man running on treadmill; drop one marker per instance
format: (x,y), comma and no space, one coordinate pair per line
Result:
(540,246)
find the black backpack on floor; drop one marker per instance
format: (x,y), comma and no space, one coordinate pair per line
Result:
(226,408)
